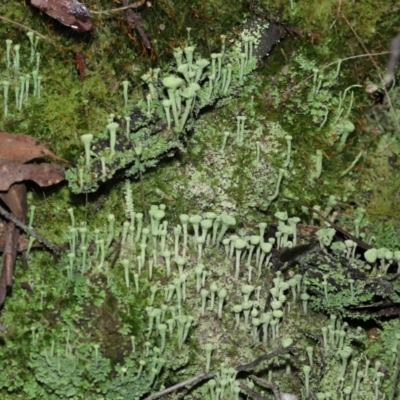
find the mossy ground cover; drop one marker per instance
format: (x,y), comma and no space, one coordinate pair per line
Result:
(279,100)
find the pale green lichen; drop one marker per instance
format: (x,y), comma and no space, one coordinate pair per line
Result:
(99,308)
(65,366)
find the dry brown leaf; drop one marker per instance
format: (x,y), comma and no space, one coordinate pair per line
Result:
(43,174)
(23,243)
(16,200)
(69,12)
(23,148)
(15,150)
(9,254)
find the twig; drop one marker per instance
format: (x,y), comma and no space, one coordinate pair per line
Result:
(203,376)
(383,83)
(357,56)
(253,394)
(334,63)
(180,385)
(27,28)
(135,21)
(30,231)
(268,356)
(268,385)
(359,242)
(112,10)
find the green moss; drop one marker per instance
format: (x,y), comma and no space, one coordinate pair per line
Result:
(196,176)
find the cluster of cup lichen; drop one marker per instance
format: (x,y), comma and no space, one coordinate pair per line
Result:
(193,298)
(15,80)
(174,99)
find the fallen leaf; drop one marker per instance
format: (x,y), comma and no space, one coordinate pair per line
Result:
(69,12)
(15,199)
(23,243)
(43,174)
(9,255)
(15,150)
(23,148)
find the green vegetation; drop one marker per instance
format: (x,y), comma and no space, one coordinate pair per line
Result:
(148,296)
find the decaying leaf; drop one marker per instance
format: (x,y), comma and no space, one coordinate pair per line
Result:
(9,255)
(69,12)
(23,243)
(23,148)
(43,174)
(15,198)
(15,150)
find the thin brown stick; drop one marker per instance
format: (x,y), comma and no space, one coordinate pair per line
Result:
(268,385)
(383,83)
(28,29)
(359,242)
(135,22)
(30,231)
(358,56)
(203,376)
(180,385)
(112,10)
(264,357)
(336,62)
